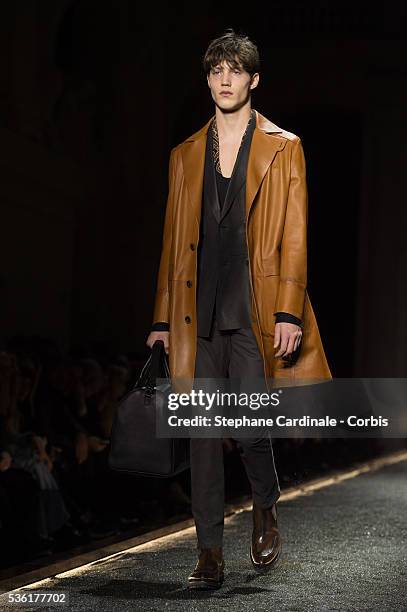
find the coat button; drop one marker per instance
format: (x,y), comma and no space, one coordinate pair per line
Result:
(189,283)
(192,247)
(188,319)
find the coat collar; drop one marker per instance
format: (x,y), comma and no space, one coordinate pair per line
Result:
(262,152)
(262,123)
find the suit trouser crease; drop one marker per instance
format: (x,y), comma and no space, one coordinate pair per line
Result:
(234,354)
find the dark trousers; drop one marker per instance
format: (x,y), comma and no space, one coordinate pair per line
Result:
(233,354)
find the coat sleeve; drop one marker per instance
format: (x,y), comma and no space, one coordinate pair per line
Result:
(293,248)
(161,305)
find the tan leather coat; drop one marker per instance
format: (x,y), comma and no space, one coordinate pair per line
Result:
(276,231)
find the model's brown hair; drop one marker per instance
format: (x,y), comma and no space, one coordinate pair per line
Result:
(227,47)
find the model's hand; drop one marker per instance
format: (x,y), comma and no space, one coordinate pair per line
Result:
(287,337)
(159,335)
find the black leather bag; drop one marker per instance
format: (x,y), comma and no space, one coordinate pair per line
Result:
(134,447)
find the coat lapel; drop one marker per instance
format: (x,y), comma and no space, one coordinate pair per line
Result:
(193,160)
(262,153)
(263,149)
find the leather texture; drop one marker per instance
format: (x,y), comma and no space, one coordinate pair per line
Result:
(209,569)
(266,539)
(276,215)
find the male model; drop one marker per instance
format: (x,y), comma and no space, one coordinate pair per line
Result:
(231,296)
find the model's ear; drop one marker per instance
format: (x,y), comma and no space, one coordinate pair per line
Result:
(254,80)
(207,79)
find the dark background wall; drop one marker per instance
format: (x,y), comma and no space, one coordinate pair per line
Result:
(94,93)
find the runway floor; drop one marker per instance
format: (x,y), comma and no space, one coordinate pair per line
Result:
(344,549)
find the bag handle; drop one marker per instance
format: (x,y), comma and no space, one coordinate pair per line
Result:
(150,371)
(157,357)
(141,381)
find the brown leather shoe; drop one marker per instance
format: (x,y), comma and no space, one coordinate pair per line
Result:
(266,539)
(209,570)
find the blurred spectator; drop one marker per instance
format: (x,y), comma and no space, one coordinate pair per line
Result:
(26,451)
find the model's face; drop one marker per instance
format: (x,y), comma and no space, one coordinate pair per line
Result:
(235,81)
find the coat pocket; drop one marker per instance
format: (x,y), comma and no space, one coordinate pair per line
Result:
(268,294)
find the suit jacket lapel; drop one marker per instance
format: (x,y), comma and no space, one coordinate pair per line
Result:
(238,177)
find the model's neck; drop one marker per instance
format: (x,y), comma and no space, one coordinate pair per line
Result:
(232,125)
